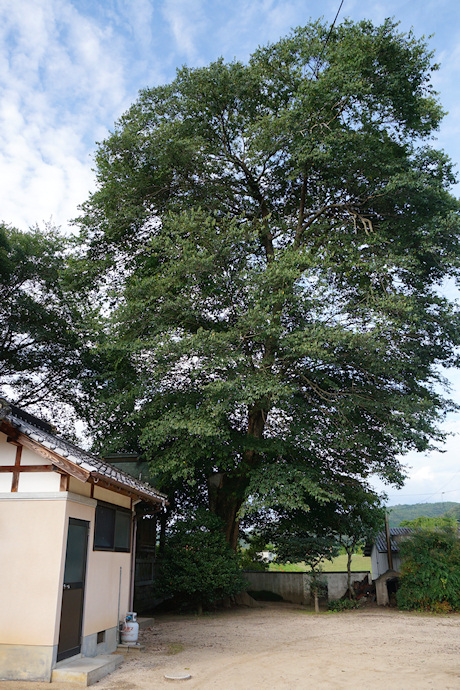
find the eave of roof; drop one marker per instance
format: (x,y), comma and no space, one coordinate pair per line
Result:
(89,465)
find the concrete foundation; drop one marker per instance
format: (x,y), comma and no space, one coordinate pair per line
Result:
(26,662)
(34,662)
(90,646)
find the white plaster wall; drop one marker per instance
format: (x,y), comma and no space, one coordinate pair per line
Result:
(28,481)
(38,482)
(5,482)
(29,457)
(7,457)
(7,451)
(379,563)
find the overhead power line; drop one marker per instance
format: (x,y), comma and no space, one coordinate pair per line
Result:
(327,39)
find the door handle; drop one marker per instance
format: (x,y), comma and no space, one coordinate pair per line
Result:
(66,586)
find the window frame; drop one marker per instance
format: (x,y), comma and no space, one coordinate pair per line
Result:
(113,547)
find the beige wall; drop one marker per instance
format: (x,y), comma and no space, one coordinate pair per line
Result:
(78,487)
(33,538)
(31,542)
(103,567)
(102,577)
(111,497)
(102,585)
(100,494)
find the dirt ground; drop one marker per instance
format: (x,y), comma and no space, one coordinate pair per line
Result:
(287,646)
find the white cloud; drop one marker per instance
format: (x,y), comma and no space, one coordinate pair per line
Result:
(422,474)
(187,22)
(139,16)
(61,80)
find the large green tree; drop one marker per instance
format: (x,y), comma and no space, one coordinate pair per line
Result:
(43,346)
(273,238)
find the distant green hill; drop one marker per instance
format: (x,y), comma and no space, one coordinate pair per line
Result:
(454,512)
(409,512)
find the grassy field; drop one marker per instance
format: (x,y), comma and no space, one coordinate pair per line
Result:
(339,564)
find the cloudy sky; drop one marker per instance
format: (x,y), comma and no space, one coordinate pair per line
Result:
(68,70)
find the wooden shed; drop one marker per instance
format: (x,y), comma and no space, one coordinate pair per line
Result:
(67,547)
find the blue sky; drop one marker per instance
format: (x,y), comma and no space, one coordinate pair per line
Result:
(68,70)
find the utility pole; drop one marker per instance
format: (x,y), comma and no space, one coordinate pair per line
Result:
(387,533)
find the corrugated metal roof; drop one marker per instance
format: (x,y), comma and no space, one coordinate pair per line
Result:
(41,432)
(381,539)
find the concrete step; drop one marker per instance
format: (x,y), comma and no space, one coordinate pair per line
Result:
(132,648)
(85,670)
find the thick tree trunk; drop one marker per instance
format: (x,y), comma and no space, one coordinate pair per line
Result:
(226,492)
(225,496)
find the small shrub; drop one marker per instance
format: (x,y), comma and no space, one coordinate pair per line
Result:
(343,604)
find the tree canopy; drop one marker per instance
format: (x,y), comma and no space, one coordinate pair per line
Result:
(273,237)
(42,344)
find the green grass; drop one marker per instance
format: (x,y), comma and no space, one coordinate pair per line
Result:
(339,564)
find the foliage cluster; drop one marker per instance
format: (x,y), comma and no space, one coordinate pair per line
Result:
(428,524)
(197,567)
(44,345)
(318,584)
(454,512)
(430,573)
(315,537)
(343,604)
(250,556)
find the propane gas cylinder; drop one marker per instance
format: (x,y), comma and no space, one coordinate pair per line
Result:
(130,629)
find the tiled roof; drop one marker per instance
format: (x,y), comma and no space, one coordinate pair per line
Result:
(42,433)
